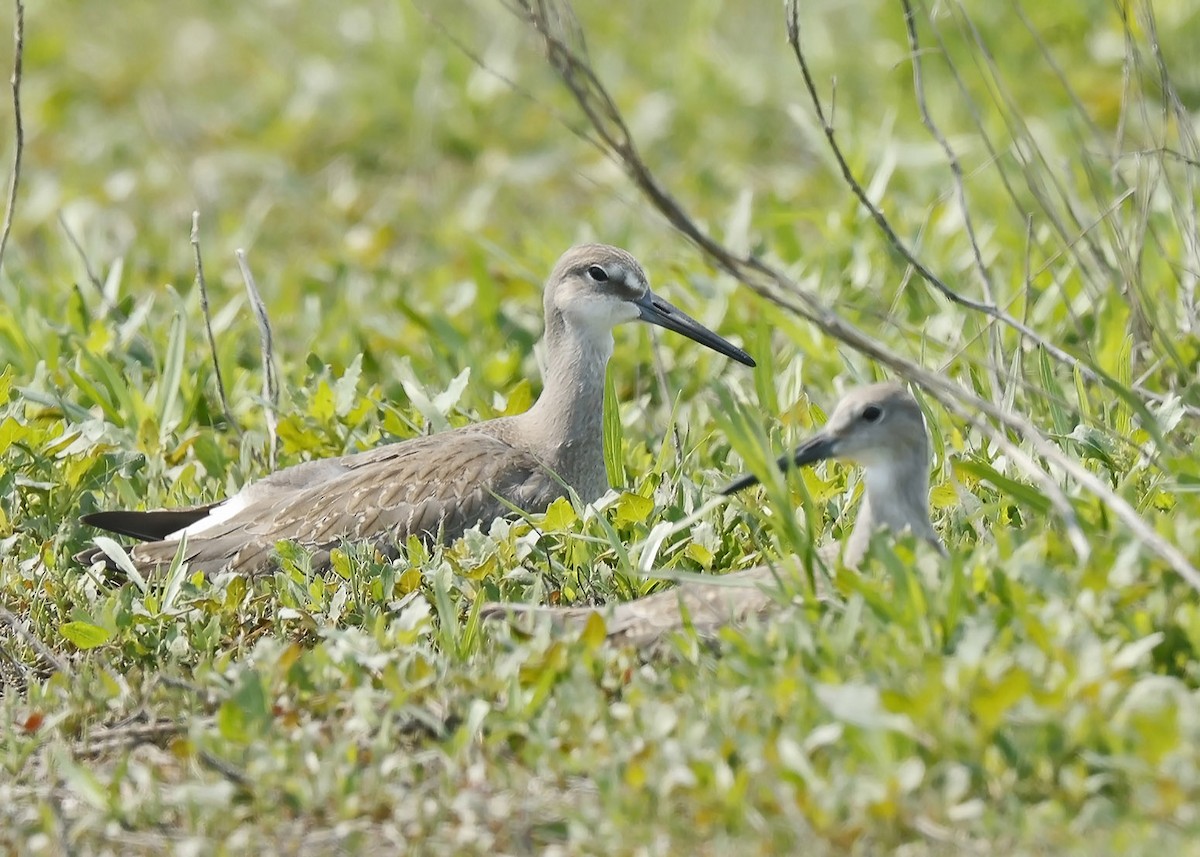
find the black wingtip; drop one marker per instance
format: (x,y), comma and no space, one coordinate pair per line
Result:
(147,526)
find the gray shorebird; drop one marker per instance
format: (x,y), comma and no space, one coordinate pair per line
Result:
(439,485)
(880,427)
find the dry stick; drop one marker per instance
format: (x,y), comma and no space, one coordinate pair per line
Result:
(1070,242)
(1185,211)
(1161,151)
(225,769)
(1132,66)
(775,286)
(1080,109)
(18,56)
(212,342)
(1014,121)
(92,276)
(1063,82)
(664,391)
(44,652)
(960,189)
(270,380)
(793,26)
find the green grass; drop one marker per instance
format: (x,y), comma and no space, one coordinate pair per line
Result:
(399,208)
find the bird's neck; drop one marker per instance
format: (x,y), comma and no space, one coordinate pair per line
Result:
(567,422)
(897,497)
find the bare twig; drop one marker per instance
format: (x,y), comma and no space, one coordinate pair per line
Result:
(1177,116)
(1042,179)
(1073,243)
(664,391)
(960,190)
(270,379)
(19,127)
(614,139)
(202,284)
(187,686)
(1162,151)
(225,769)
(92,276)
(19,628)
(1087,371)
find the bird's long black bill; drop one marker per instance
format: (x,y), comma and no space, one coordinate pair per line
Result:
(817,448)
(658,311)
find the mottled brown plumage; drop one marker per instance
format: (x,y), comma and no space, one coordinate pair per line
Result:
(439,486)
(879,426)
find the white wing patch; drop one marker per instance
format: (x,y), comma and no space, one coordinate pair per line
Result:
(219,514)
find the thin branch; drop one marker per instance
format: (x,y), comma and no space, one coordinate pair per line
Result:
(793,27)
(92,276)
(19,628)
(1042,179)
(270,379)
(664,392)
(1072,242)
(960,190)
(202,284)
(1161,151)
(15,180)
(1183,204)
(225,769)
(1059,73)
(774,285)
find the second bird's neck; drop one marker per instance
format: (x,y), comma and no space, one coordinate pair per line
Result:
(897,497)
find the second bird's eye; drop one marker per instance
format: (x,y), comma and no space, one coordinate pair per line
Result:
(598,274)
(871,413)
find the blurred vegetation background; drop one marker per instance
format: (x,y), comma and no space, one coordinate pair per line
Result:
(402,176)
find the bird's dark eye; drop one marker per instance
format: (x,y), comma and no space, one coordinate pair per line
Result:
(598,274)
(872,413)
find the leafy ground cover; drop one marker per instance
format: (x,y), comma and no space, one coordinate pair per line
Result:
(401,178)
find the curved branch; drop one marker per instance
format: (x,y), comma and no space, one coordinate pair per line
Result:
(885,226)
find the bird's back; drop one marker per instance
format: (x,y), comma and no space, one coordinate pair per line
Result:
(431,487)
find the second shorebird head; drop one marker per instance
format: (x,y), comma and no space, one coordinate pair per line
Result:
(595,287)
(882,428)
